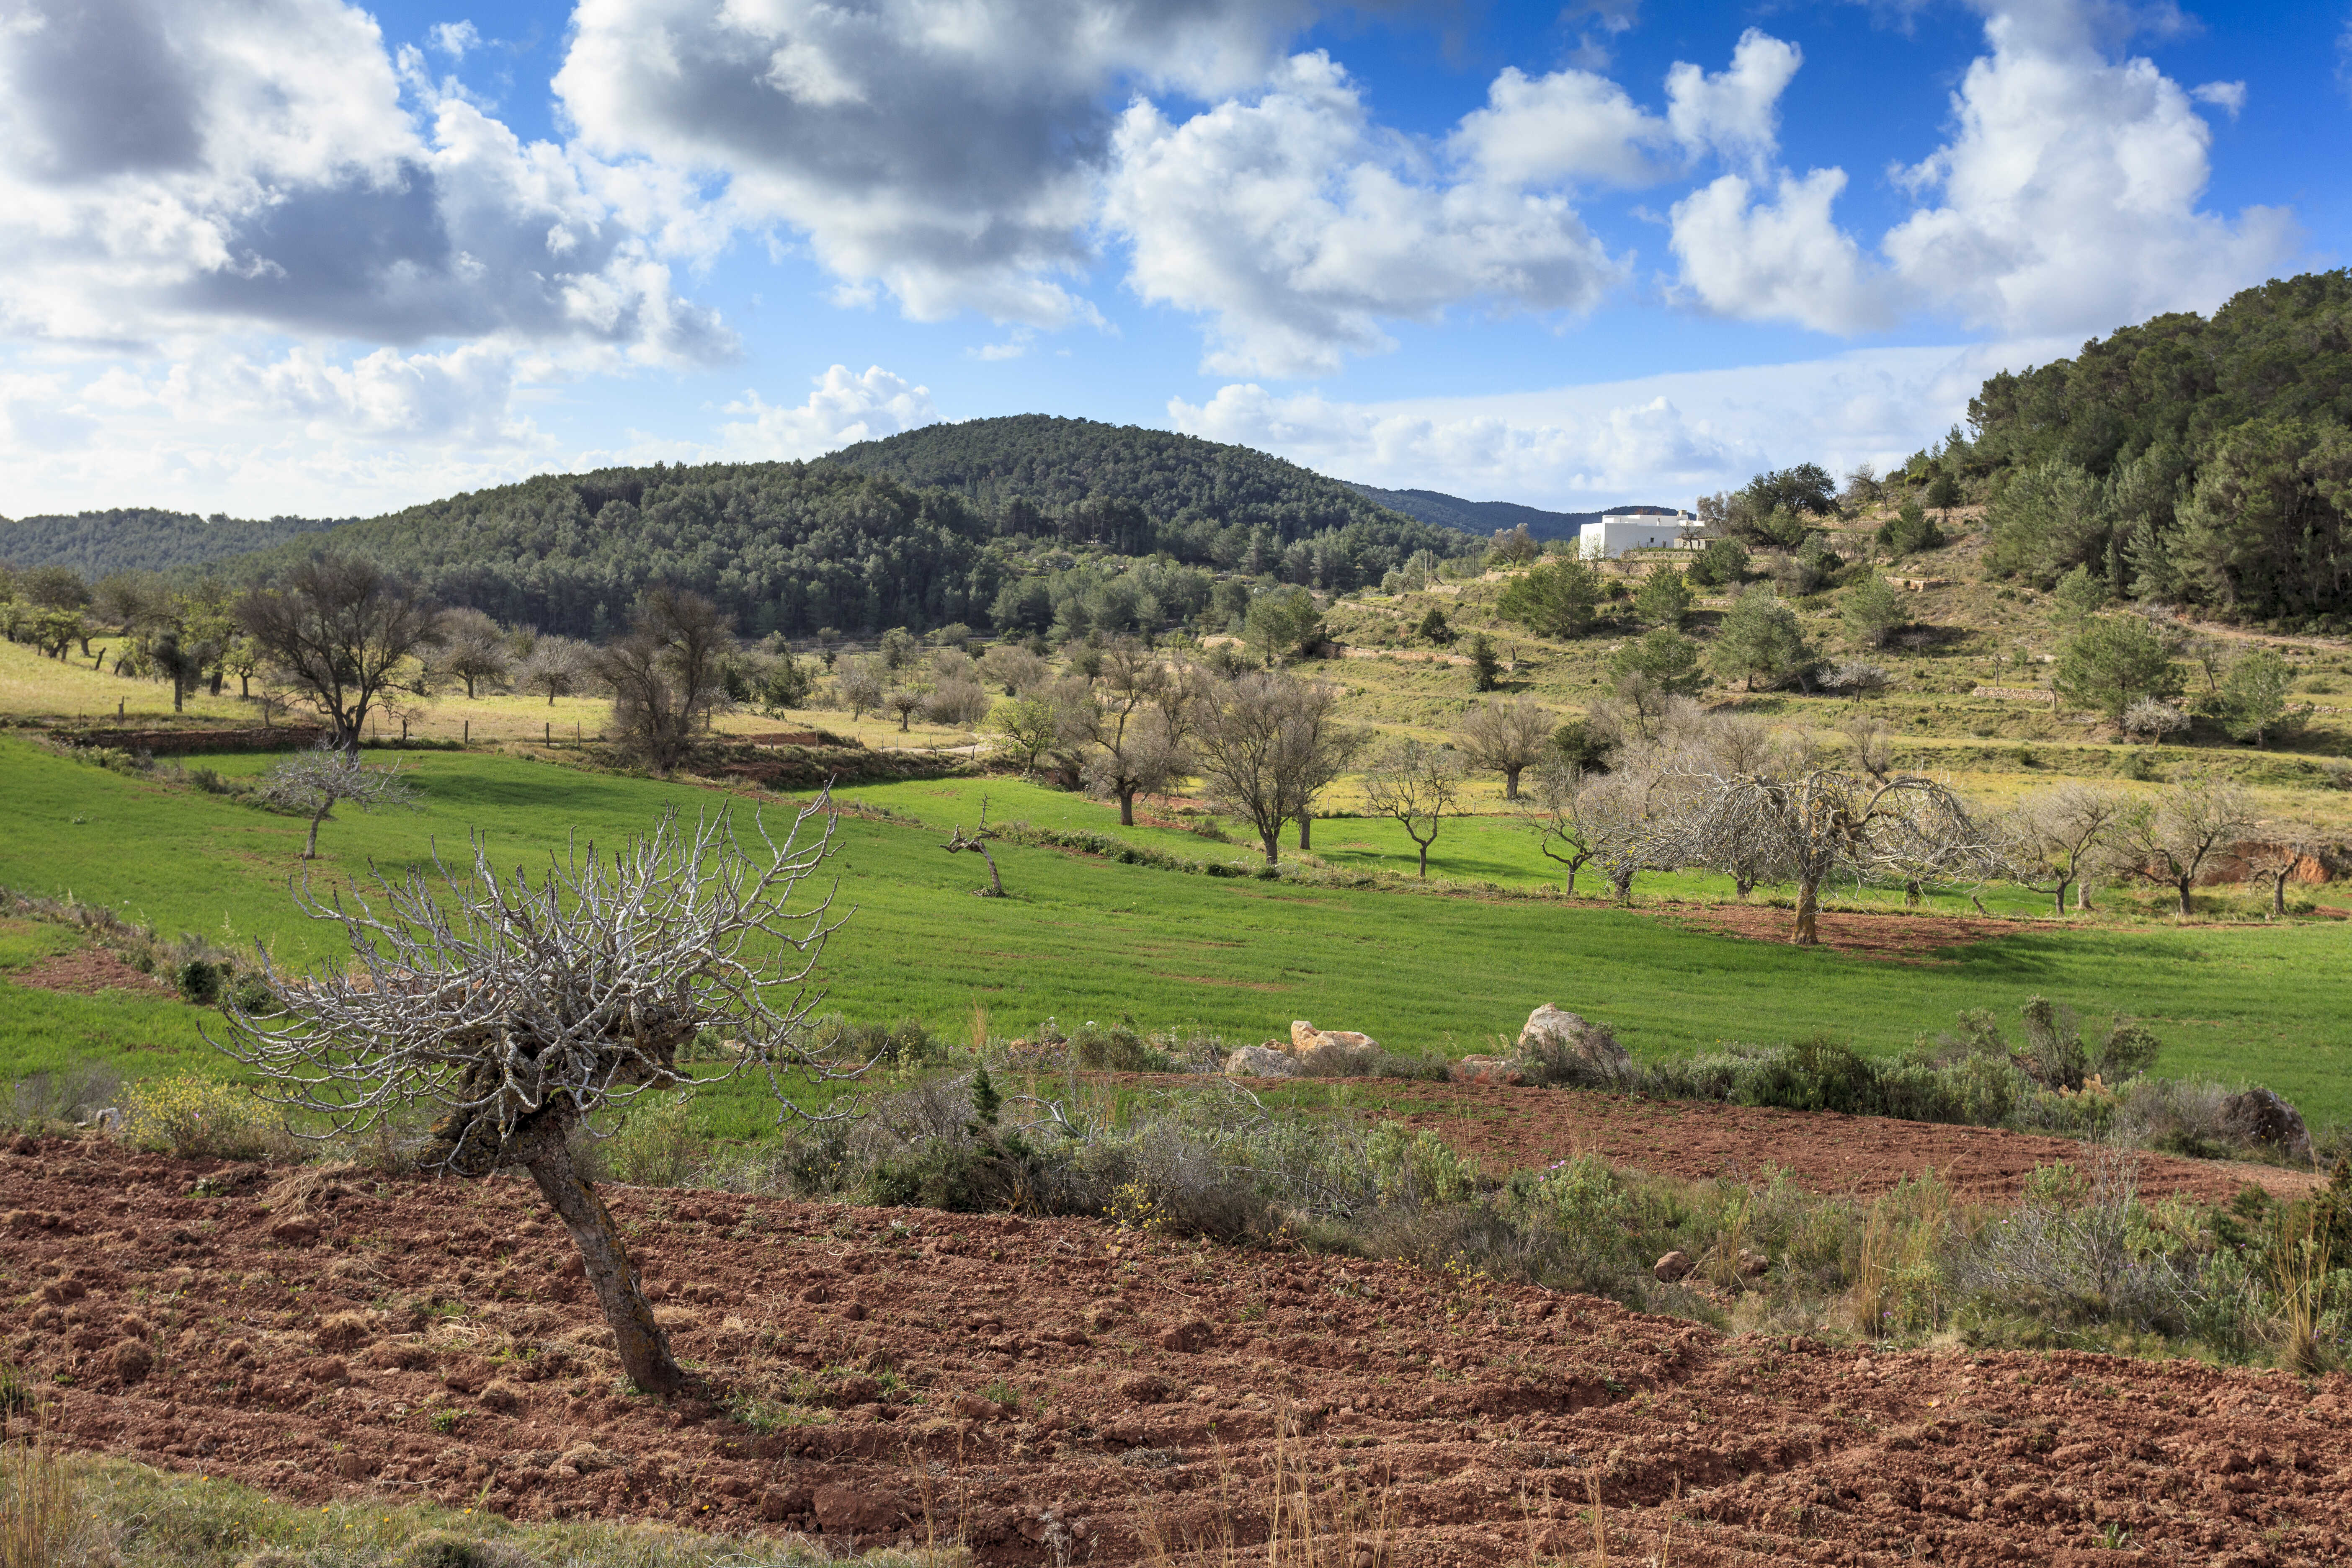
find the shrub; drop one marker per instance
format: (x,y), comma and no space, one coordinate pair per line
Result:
(198,1117)
(1115,1048)
(200,981)
(656,1145)
(1416,1168)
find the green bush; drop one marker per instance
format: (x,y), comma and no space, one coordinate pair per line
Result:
(1417,1167)
(1115,1048)
(197,1117)
(200,981)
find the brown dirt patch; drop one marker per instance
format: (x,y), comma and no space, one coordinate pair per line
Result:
(1904,939)
(85,973)
(1488,1416)
(1823,1151)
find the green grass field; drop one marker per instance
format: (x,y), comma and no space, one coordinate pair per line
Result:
(1084,939)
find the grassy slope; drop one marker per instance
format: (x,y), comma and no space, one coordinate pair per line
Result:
(1086,940)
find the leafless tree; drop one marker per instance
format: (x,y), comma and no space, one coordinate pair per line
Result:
(1508,735)
(473,649)
(860,685)
(2063,836)
(1128,725)
(1867,747)
(1419,785)
(1268,745)
(2279,855)
(957,702)
(668,674)
(1567,830)
(339,630)
(518,1011)
(978,845)
(557,666)
(2172,839)
(1014,667)
(1817,823)
(316,781)
(905,701)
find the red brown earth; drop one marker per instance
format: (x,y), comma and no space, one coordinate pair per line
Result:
(85,973)
(303,1332)
(1823,1151)
(1902,938)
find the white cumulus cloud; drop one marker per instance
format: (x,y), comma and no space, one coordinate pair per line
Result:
(2066,200)
(1664,439)
(1298,227)
(844,408)
(1736,113)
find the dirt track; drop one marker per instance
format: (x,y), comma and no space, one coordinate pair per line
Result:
(1150,1378)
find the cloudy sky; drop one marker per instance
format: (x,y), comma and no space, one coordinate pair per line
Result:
(300,255)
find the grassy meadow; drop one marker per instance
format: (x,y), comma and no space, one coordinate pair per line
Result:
(1082,938)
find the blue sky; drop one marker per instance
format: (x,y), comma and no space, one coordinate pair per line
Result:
(270,255)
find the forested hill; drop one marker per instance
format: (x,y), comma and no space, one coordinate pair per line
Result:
(139,539)
(1080,479)
(1482,517)
(787,547)
(2208,462)
(998,524)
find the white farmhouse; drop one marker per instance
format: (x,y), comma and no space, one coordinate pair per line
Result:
(1615,532)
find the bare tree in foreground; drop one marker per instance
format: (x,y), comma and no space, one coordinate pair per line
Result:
(2172,840)
(520,1011)
(313,782)
(1418,785)
(1820,822)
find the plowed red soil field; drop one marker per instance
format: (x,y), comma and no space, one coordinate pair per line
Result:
(1053,1391)
(1823,1151)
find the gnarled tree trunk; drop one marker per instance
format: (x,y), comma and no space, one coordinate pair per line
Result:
(1809,914)
(541,1148)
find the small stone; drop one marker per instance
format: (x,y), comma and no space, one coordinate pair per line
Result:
(1486,1069)
(1753,1265)
(1675,1266)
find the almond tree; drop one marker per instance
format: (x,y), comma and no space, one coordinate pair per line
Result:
(2061,834)
(517,1012)
(339,629)
(1508,735)
(1268,745)
(1816,823)
(1419,786)
(2177,836)
(314,782)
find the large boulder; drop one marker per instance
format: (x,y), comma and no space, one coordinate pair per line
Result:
(1306,1037)
(1261,1061)
(1562,1047)
(2258,1116)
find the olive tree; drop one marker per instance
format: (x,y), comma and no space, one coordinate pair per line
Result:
(314,782)
(519,1011)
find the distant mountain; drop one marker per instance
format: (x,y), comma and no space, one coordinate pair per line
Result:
(140,538)
(1478,517)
